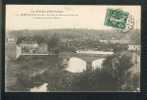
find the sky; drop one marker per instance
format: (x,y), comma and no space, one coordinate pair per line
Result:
(85,16)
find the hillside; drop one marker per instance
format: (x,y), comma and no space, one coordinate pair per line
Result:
(78,34)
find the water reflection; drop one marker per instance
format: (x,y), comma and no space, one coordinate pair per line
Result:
(41,88)
(97,63)
(76,65)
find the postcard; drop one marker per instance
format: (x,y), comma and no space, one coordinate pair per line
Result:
(72,48)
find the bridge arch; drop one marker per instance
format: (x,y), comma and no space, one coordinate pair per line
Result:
(76,65)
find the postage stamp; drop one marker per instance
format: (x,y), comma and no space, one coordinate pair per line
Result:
(119,19)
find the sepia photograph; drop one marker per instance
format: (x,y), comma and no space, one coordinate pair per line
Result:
(72,48)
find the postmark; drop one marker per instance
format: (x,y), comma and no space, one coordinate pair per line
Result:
(120,20)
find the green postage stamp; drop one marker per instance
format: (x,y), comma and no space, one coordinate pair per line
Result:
(118,19)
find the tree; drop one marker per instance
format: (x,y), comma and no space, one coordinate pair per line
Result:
(111,78)
(39,39)
(94,81)
(135,38)
(118,66)
(53,42)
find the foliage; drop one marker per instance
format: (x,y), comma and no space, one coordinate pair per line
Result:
(118,66)
(94,81)
(111,78)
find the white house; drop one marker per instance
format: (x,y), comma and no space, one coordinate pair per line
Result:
(133,47)
(31,49)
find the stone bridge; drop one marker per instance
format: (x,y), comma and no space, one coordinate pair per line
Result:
(92,61)
(85,56)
